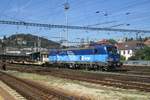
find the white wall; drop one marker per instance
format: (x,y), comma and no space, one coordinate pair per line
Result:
(126,53)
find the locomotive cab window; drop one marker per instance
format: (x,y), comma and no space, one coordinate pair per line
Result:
(112,50)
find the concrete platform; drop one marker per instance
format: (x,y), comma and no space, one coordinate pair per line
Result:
(6,93)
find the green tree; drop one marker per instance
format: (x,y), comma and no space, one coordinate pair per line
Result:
(122,58)
(142,54)
(112,41)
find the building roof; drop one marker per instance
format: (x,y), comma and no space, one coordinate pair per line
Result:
(130,45)
(104,41)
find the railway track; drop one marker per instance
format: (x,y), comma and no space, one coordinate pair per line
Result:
(33,91)
(138,70)
(112,82)
(141,84)
(116,80)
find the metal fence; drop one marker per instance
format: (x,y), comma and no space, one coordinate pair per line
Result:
(137,63)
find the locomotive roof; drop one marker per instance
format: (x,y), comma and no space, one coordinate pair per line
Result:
(92,47)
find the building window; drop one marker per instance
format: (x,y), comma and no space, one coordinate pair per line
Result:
(128,51)
(124,52)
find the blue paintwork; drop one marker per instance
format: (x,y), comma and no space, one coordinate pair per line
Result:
(79,58)
(95,54)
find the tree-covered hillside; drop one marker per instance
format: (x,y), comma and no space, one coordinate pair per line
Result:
(28,40)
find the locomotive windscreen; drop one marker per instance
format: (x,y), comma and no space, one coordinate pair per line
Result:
(112,49)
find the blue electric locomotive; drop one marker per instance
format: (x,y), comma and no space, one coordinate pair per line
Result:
(104,57)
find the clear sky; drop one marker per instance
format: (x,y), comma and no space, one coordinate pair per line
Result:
(131,14)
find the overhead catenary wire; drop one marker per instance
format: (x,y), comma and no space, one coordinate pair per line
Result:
(102,23)
(51,15)
(70,27)
(58,9)
(130,4)
(89,3)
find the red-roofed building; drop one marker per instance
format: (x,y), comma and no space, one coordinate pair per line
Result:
(127,49)
(104,41)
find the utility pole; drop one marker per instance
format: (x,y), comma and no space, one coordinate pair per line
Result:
(35,50)
(39,44)
(3,45)
(66,8)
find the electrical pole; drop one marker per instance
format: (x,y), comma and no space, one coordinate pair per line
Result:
(39,44)
(66,8)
